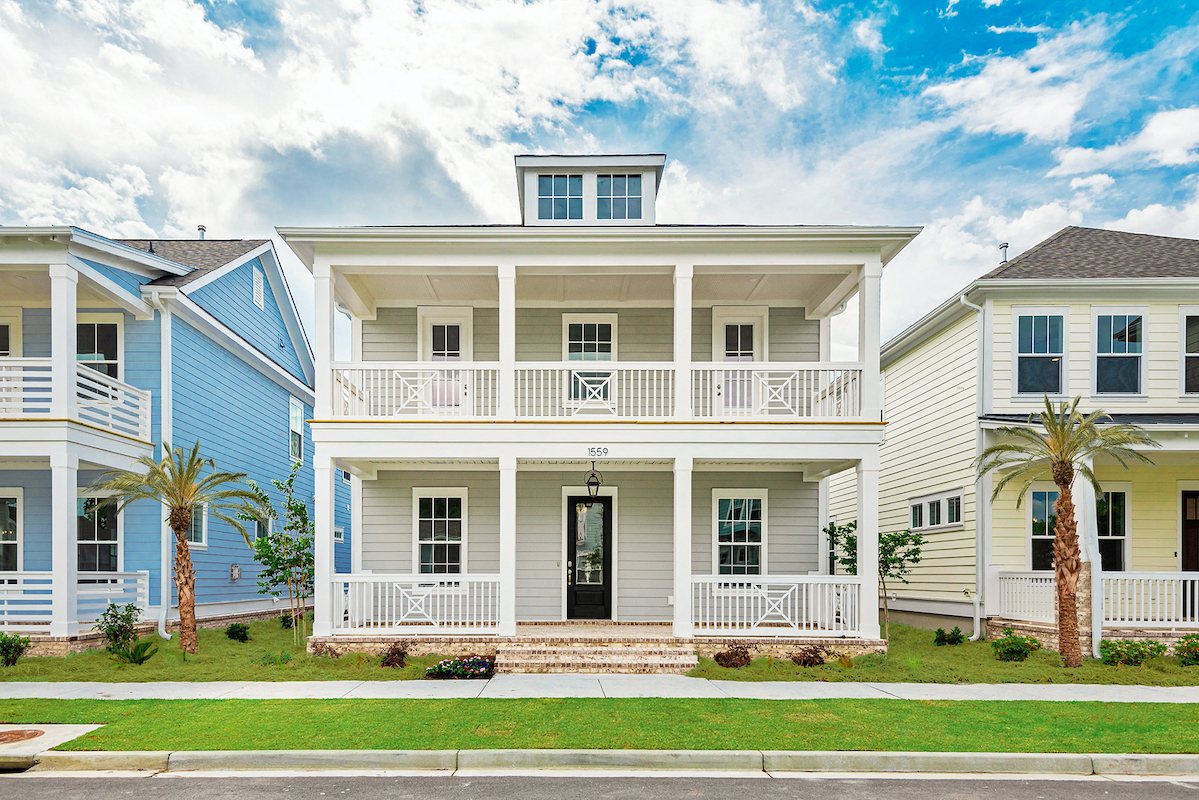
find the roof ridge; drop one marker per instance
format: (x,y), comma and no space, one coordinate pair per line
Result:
(998,271)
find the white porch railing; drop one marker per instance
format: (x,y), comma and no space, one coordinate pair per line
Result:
(595,388)
(1151,599)
(777,390)
(26,598)
(1027,596)
(416,603)
(108,403)
(415,389)
(775,605)
(24,387)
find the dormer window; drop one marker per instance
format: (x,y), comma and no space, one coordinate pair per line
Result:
(560,196)
(618,196)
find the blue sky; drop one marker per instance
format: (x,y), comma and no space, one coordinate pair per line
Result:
(982,120)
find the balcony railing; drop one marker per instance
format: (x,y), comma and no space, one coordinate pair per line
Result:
(600,389)
(26,598)
(775,605)
(1151,599)
(1027,596)
(26,393)
(416,603)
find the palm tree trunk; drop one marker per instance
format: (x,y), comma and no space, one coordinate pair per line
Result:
(185,586)
(1067,564)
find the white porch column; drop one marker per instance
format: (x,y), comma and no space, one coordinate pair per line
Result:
(683,275)
(867,474)
(683,624)
(507,619)
(323,509)
(64,489)
(869,320)
(507,383)
(64,281)
(1086,515)
(322,339)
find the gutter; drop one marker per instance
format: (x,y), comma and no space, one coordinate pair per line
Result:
(166,414)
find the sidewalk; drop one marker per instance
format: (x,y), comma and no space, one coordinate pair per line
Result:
(592,685)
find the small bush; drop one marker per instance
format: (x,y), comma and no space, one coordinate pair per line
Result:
(137,654)
(286,622)
(397,654)
(812,655)
(118,625)
(12,647)
(275,659)
(735,657)
(940,638)
(1129,652)
(238,632)
(956,636)
(1187,649)
(1013,647)
(462,667)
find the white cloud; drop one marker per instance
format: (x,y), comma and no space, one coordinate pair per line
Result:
(1094,183)
(992,3)
(869,33)
(1164,220)
(1019,28)
(1168,138)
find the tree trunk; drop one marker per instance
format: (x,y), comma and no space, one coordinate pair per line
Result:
(185,585)
(1067,564)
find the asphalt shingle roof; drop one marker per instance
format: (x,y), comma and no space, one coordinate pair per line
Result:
(203,255)
(1093,253)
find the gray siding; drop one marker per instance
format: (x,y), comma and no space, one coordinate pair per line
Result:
(793,337)
(391,336)
(642,334)
(791,511)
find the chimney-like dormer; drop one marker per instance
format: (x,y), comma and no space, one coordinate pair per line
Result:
(609,190)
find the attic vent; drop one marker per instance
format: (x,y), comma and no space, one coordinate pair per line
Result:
(259,295)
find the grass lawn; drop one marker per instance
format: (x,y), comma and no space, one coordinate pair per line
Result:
(913,658)
(620,723)
(220,659)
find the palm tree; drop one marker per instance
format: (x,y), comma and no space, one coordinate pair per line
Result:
(177,483)
(1065,449)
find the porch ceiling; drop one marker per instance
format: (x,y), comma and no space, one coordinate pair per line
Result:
(29,287)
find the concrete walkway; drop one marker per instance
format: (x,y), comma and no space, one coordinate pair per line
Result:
(592,685)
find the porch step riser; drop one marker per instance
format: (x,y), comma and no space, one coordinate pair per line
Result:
(611,657)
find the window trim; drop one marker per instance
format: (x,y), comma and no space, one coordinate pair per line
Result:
(292,403)
(758,316)
(339,533)
(1034,311)
(1183,313)
(270,527)
(12,317)
(85,493)
(426,316)
(942,497)
(203,544)
(439,491)
(1143,377)
(19,493)
(626,196)
(259,289)
(1036,486)
(568,173)
(345,476)
(102,319)
(733,493)
(1126,488)
(583,318)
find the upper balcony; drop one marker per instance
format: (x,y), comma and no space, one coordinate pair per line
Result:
(94,398)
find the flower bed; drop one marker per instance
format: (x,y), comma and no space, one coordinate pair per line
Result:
(462,667)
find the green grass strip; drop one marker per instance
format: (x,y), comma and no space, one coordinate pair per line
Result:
(707,724)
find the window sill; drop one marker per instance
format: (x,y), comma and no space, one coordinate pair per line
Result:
(956,526)
(1133,398)
(1039,398)
(193,546)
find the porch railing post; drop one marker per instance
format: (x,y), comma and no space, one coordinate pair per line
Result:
(683,622)
(64,489)
(506,407)
(507,616)
(683,274)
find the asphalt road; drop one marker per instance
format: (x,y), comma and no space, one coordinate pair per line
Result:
(315,787)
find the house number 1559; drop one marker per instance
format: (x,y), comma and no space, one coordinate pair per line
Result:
(597,452)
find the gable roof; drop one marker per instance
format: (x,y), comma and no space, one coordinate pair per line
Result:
(202,255)
(1081,253)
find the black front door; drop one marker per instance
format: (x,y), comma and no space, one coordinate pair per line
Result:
(1190,531)
(589,558)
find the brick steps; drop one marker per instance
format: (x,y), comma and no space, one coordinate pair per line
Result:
(588,655)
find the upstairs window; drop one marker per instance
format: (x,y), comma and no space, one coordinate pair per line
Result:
(259,289)
(560,196)
(197,534)
(296,426)
(618,196)
(1040,353)
(1118,340)
(5,347)
(1190,354)
(96,346)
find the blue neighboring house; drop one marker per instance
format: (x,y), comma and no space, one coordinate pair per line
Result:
(108,348)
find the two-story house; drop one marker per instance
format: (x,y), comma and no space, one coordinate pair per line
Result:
(591,441)
(1109,316)
(107,349)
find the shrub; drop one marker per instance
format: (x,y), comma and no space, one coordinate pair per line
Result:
(940,638)
(1013,647)
(1129,652)
(238,632)
(812,655)
(136,654)
(12,647)
(118,625)
(396,655)
(275,659)
(735,657)
(286,622)
(462,667)
(956,636)
(1187,649)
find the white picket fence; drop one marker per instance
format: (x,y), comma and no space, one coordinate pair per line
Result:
(416,603)
(776,605)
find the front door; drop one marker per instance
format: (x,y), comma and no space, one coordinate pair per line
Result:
(589,558)
(1190,531)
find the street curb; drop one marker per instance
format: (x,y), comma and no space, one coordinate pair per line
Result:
(769,761)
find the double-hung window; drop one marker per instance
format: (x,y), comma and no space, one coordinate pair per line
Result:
(1190,350)
(10,530)
(97,536)
(618,197)
(1040,351)
(937,511)
(97,344)
(440,525)
(295,424)
(1119,363)
(1042,527)
(559,196)
(1111,513)
(197,533)
(740,518)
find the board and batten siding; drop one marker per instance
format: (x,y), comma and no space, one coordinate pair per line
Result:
(930,407)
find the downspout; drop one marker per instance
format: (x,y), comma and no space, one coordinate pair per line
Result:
(166,433)
(978,554)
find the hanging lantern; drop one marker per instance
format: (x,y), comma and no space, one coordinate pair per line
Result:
(594,481)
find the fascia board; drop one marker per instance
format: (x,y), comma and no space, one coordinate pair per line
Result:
(132,303)
(221,272)
(125,253)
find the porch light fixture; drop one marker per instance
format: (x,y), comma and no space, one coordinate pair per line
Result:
(594,481)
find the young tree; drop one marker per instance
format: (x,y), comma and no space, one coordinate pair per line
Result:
(178,482)
(286,553)
(1061,449)
(898,552)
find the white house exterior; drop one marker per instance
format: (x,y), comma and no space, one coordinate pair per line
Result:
(1043,323)
(588,333)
